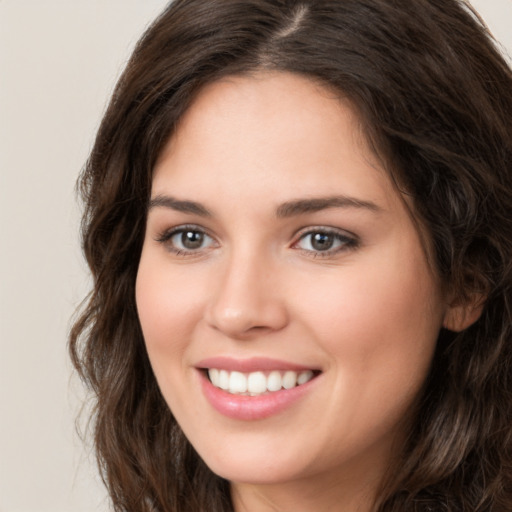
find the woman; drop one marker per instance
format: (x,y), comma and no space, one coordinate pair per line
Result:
(299,223)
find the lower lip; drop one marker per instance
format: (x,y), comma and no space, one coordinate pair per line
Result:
(250,408)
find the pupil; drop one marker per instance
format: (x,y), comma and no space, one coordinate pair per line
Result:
(322,242)
(192,239)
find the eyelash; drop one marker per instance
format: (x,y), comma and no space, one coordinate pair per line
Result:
(165,238)
(345,241)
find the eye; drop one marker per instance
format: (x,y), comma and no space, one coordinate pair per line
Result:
(325,242)
(186,239)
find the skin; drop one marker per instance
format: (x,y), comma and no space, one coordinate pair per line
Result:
(367,313)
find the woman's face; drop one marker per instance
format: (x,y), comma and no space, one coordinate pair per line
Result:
(279,257)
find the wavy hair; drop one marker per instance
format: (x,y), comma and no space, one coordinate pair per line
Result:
(434,95)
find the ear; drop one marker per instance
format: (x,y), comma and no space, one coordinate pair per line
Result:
(460,316)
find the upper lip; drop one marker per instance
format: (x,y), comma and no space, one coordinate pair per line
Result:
(252,364)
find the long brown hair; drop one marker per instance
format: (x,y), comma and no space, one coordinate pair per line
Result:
(435,98)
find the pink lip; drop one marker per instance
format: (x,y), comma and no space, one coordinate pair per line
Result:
(252,364)
(251,408)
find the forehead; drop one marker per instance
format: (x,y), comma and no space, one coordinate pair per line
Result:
(270,125)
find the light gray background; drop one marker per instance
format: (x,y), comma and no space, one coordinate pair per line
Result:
(58,63)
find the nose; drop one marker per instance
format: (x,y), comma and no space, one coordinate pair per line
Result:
(248,300)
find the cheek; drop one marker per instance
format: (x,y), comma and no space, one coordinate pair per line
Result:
(166,303)
(393,293)
(379,324)
(168,311)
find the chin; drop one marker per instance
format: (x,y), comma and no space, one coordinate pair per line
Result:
(248,474)
(255,469)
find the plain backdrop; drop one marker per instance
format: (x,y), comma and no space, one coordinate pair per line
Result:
(59,60)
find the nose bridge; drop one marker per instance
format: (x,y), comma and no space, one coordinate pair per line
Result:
(247,298)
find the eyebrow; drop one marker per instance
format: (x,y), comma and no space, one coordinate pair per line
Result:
(287,209)
(179,205)
(301,206)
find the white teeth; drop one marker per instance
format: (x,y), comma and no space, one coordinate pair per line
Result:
(214,377)
(223,379)
(274,381)
(289,380)
(257,383)
(304,377)
(237,383)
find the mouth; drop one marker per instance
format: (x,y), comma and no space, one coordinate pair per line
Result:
(255,388)
(258,383)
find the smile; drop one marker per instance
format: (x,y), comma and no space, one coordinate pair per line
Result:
(257,383)
(255,388)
